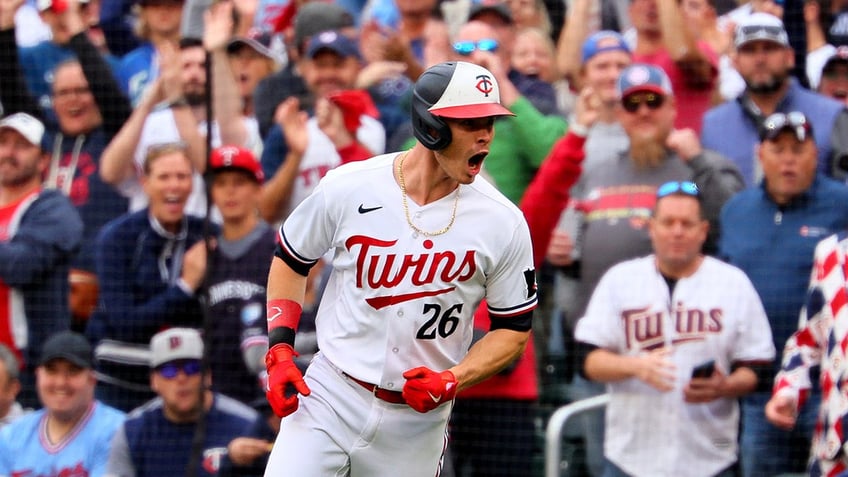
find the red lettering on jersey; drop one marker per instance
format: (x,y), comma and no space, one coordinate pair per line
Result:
(375,270)
(644,329)
(77,471)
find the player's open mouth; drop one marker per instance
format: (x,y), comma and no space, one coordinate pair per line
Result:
(477,159)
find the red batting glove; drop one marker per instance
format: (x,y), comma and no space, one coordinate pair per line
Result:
(426,389)
(283,371)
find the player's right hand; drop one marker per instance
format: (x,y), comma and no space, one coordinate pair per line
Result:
(281,372)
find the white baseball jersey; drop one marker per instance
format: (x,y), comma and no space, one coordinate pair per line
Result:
(396,299)
(713,314)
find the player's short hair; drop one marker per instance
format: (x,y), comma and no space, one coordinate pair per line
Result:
(155,151)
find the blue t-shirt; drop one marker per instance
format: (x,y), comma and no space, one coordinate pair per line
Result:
(25,449)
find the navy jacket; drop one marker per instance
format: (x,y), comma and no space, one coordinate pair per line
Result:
(35,264)
(774,245)
(138,266)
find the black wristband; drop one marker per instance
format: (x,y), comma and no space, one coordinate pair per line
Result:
(281,334)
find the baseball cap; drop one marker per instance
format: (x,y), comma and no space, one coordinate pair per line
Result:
(795,122)
(234,157)
(471,92)
(604,40)
(334,41)
(643,77)
(58,6)
(67,345)
(29,127)
(500,9)
(760,26)
(174,344)
(315,17)
(256,39)
(840,56)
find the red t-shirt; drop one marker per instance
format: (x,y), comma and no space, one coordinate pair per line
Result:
(691,103)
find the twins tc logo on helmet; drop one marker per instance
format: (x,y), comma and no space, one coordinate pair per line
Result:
(484,85)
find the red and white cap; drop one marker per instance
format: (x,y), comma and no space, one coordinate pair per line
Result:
(472,92)
(234,157)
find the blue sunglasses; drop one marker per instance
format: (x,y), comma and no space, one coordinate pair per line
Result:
(465,48)
(678,187)
(170,370)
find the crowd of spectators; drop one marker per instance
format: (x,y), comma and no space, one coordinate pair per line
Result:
(150,149)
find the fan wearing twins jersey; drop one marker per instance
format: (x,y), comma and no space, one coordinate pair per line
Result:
(650,322)
(418,241)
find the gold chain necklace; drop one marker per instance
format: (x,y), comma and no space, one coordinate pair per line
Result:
(406,206)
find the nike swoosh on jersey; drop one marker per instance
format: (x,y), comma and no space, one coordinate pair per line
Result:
(434,398)
(364,210)
(378,302)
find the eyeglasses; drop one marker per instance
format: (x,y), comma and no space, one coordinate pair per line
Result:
(794,122)
(465,48)
(632,103)
(170,370)
(67,92)
(678,187)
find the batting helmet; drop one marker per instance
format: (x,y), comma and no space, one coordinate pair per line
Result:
(456,90)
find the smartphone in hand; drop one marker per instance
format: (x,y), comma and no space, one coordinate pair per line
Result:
(704,370)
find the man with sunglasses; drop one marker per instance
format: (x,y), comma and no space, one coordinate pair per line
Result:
(678,337)
(156,439)
(764,59)
(771,232)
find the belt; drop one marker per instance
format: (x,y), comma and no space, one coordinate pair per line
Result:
(393,397)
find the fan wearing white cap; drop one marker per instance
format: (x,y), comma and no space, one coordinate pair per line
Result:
(418,241)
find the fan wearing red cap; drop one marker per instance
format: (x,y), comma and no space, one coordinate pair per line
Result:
(418,240)
(236,283)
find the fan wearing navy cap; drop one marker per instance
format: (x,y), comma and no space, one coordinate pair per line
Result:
(72,433)
(238,272)
(828,73)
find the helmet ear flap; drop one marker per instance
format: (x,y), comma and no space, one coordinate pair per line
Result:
(433,132)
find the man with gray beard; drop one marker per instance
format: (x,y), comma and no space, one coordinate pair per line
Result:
(764,59)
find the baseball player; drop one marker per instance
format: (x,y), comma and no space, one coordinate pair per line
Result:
(678,337)
(418,241)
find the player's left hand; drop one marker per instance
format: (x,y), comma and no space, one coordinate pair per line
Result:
(701,390)
(426,389)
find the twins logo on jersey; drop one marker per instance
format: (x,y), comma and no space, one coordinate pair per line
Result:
(389,270)
(643,328)
(212,459)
